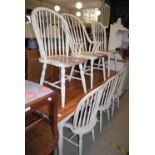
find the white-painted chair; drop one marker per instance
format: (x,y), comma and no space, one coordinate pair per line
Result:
(84,119)
(107,97)
(121,86)
(82,46)
(51,31)
(100,38)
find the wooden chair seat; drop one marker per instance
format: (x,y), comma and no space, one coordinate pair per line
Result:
(86,55)
(63,61)
(107,52)
(93,54)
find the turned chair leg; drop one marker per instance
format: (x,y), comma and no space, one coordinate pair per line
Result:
(63,89)
(99,61)
(83,78)
(42,78)
(84,68)
(71,73)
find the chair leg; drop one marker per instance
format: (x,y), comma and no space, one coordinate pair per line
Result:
(108,115)
(80,144)
(109,67)
(113,107)
(100,121)
(63,87)
(117,101)
(93,135)
(71,73)
(84,68)
(60,142)
(91,74)
(103,67)
(43,74)
(83,78)
(99,61)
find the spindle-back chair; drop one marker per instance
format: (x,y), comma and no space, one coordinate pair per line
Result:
(100,39)
(121,86)
(84,119)
(51,31)
(107,97)
(82,46)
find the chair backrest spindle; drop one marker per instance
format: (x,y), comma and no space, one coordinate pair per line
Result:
(85,114)
(122,81)
(51,31)
(108,92)
(79,38)
(99,35)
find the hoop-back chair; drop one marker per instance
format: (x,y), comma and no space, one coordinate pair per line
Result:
(84,119)
(51,31)
(82,46)
(107,97)
(100,39)
(121,86)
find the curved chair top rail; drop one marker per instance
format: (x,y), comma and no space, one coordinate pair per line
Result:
(108,92)
(79,38)
(99,35)
(78,23)
(85,113)
(51,31)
